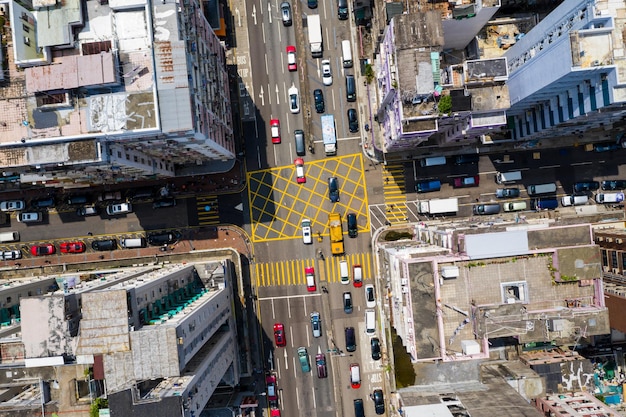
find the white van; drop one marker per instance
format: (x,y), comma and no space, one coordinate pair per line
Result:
(506,177)
(346,53)
(343,272)
(541,188)
(9,237)
(355,375)
(433,161)
(574,200)
(133,243)
(370,322)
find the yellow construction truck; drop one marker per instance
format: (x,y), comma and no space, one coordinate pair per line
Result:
(336,234)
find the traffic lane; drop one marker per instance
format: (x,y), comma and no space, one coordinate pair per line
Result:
(300,391)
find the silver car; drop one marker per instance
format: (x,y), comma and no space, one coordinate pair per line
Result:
(316,324)
(12,205)
(119,208)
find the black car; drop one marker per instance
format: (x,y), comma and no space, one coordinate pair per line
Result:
(379,401)
(333,189)
(164,202)
(507,192)
(104,244)
(163,238)
(611,185)
(318,96)
(586,186)
(375,345)
(352,225)
(353,121)
(141,194)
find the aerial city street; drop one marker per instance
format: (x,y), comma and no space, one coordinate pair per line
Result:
(322,208)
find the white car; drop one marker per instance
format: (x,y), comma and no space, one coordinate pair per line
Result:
(119,208)
(327,74)
(306,232)
(370,296)
(294,99)
(11,255)
(12,205)
(30,217)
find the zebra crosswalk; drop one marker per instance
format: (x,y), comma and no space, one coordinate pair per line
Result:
(208,210)
(291,272)
(394,190)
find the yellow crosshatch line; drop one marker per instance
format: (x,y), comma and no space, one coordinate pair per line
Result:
(278,204)
(394,191)
(291,272)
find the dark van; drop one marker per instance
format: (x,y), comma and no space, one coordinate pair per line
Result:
(350,88)
(427,186)
(544,204)
(46,202)
(299,136)
(141,194)
(359,411)
(467,159)
(342,9)
(77,199)
(350,339)
(105,244)
(352,225)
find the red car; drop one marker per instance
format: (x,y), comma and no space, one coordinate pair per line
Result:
(279,334)
(275,130)
(272,390)
(42,250)
(292,65)
(300,177)
(72,247)
(309,273)
(463,182)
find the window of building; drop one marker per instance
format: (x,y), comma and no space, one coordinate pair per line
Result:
(605,259)
(8,300)
(26,41)
(25,28)
(614,263)
(623,261)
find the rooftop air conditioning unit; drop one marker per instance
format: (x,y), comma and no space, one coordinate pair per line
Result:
(405,290)
(450,272)
(619,241)
(404,281)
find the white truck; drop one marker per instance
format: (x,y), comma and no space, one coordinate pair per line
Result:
(315,35)
(329,135)
(439,206)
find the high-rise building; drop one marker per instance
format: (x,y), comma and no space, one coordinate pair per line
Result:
(111,91)
(566,74)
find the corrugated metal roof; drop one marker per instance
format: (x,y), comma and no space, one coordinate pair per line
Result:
(72,72)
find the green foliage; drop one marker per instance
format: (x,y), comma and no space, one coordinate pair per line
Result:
(393,235)
(445,104)
(369,73)
(96,405)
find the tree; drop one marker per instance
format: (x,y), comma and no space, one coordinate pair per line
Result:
(445,104)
